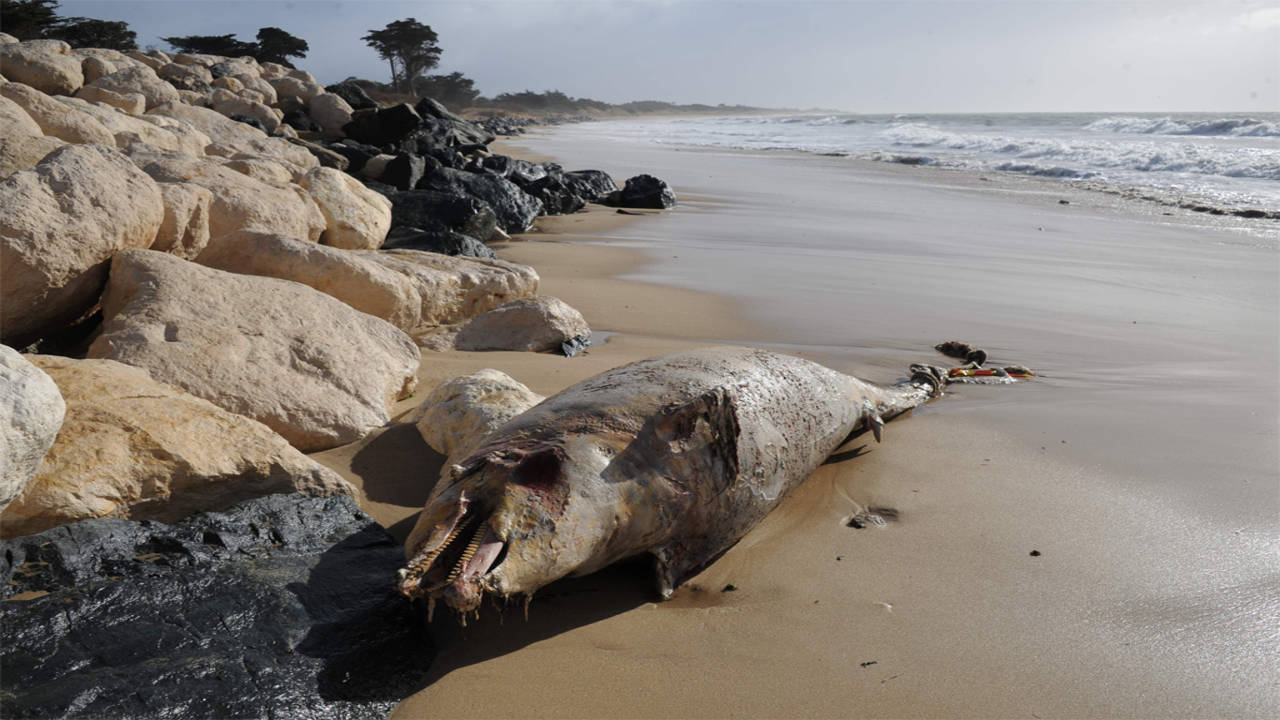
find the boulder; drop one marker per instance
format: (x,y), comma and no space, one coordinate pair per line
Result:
(352,277)
(185,229)
(355,95)
(300,74)
(325,156)
(239,201)
(265,169)
(356,218)
(57,119)
(289,87)
(642,191)
(185,76)
(59,225)
(460,413)
(236,135)
(236,107)
(403,171)
(136,448)
(272,70)
(31,412)
(383,127)
(331,113)
(445,242)
(514,208)
(375,167)
(253,82)
(94,68)
(7,39)
(357,154)
(153,131)
(154,59)
(305,364)
(132,103)
(558,196)
(431,210)
(590,184)
(14,121)
(532,324)
(23,152)
(279,607)
(454,289)
(141,80)
(44,65)
(521,172)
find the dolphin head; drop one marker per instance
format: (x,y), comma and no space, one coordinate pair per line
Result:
(511,518)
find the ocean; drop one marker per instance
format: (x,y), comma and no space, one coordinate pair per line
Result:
(1214,162)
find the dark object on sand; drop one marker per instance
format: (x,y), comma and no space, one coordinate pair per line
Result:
(963,351)
(1064,202)
(278,607)
(575,345)
(642,191)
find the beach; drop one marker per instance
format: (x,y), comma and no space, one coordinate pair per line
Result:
(1100,541)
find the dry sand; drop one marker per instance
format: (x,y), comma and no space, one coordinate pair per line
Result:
(1142,466)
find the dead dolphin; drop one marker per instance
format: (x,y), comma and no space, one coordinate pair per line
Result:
(677,456)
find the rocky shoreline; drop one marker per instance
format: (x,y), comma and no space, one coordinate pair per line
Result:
(210,267)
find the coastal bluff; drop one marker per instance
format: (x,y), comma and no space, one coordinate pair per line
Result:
(210,266)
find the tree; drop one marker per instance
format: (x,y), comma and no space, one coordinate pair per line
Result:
(455,90)
(225,45)
(87,32)
(28,19)
(276,45)
(408,43)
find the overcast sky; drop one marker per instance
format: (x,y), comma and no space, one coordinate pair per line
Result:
(864,56)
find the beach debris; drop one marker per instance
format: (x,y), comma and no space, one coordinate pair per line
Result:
(730,588)
(1064,202)
(1035,553)
(962,351)
(575,345)
(665,457)
(868,663)
(973,371)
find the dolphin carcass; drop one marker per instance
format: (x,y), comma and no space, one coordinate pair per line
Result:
(677,456)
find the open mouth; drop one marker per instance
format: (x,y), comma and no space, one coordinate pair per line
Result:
(453,568)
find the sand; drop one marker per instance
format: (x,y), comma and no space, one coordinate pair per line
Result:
(1141,467)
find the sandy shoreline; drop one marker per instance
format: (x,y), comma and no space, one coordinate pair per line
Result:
(1149,596)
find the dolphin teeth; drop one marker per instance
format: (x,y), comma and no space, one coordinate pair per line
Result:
(469,552)
(411,577)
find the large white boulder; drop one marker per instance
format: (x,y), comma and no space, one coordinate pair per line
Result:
(237,105)
(45,65)
(154,131)
(454,289)
(457,416)
(531,324)
(135,448)
(59,225)
(31,411)
(185,229)
(139,79)
(185,77)
(57,119)
(23,152)
(14,121)
(331,113)
(132,103)
(288,87)
(356,218)
(236,135)
(351,277)
(239,201)
(307,365)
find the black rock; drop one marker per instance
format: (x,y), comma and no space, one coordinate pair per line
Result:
(252,121)
(445,242)
(591,184)
(300,120)
(642,191)
(464,131)
(222,69)
(283,606)
(520,172)
(355,95)
(357,154)
(433,210)
(404,171)
(384,127)
(557,195)
(515,209)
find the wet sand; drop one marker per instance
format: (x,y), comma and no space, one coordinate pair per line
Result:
(1141,466)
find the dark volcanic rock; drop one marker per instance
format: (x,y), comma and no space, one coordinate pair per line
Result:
(557,195)
(281,607)
(432,210)
(520,172)
(326,156)
(514,208)
(591,184)
(356,153)
(404,171)
(445,242)
(385,127)
(355,95)
(642,191)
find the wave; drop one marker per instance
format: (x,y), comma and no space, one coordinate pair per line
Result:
(1221,127)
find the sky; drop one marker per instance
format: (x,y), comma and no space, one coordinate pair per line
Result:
(860,56)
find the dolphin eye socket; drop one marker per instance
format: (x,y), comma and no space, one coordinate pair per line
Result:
(540,469)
